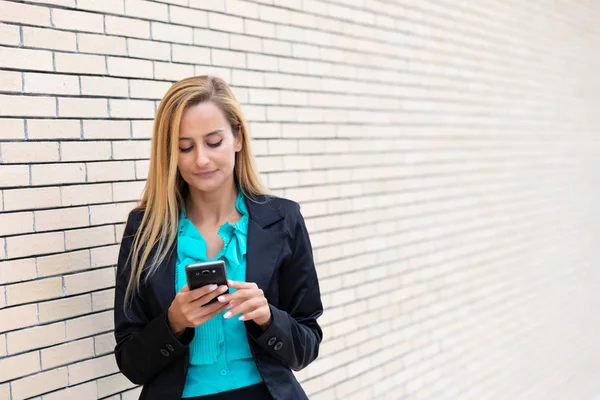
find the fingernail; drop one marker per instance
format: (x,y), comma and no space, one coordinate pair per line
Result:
(227,314)
(221,298)
(223,289)
(228,306)
(213,287)
(241,318)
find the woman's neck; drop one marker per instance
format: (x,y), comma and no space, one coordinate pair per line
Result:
(213,208)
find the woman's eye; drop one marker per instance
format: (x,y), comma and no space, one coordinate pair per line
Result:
(186,150)
(215,144)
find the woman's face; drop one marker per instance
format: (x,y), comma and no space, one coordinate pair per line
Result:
(207,147)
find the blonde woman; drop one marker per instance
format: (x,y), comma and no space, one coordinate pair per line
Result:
(204,201)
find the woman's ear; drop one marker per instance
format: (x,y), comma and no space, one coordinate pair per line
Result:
(238,140)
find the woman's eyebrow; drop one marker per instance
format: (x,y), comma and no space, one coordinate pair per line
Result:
(208,134)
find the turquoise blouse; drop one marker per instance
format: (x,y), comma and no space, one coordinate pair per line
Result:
(219,357)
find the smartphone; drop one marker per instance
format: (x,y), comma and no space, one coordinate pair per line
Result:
(206,273)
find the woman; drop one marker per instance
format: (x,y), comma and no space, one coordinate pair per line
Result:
(204,201)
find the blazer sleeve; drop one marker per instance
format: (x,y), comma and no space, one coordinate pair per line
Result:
(145,343)
(294,335)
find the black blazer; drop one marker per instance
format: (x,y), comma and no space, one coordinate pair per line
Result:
(279,260)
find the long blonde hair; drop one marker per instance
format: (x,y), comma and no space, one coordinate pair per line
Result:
(165,191)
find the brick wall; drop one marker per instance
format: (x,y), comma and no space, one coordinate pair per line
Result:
(446,155)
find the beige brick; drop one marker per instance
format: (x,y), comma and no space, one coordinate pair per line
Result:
(39,243)
(149,49)
(35,337)
(65,3)
(63,263)
(277,47)
(64,308)
(11,128)
(11,81)
(44,382)
(49,39)
(131,108)
(103,300)
(188,16)
(110,213)
(37,290)
(53,129)
(221,72)
(18,317)
(213,5)
(172,33)
(191,54)
(92,369)
(16,223)
(3,350)
(62,218)
(104,343)
(208,38)
(132,394)
(17,270)
(108,6)
(104,256)
(247,78)
(148,89)
(259,28)
(265,130)
(228,23)
(9,35)
(48,174)
(2,305)
(106,129)
(101,44)
(245,43)
(127,27)
(50,84)
(67,353)
(88,237)
(84,391)
(110,171)
(73,195)
(14,175)
(77,20)
(262,62)
(5,391)
(89,325)
(85,151)
(17,366)
(113,384)
(142,129)
(29,152)
(147,10)
(78,107)
(103,86)
(24,199)
(141,169)
(89,281)
(80,63)
(24,14)
(172,72)
(228,58)
(27,106)
(129,67)
(242,8)
(126,191)
(131,149)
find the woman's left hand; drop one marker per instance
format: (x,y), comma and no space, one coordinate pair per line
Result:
(249,301)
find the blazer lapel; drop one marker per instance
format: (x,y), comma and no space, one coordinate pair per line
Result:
(264,245)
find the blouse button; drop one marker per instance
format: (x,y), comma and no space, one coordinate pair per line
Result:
(223,372)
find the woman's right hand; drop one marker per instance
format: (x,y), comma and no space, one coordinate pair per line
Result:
(186,309)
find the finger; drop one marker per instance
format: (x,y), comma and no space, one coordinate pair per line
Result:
(202,319)
(251,315)
(242,285)
(184,288)
(247,306)
(241,294)
(200,292)
(206,311)
(208,296)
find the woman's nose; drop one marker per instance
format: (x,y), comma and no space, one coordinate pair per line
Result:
(201,158)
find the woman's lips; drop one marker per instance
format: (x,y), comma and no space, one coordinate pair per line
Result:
(205,174)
